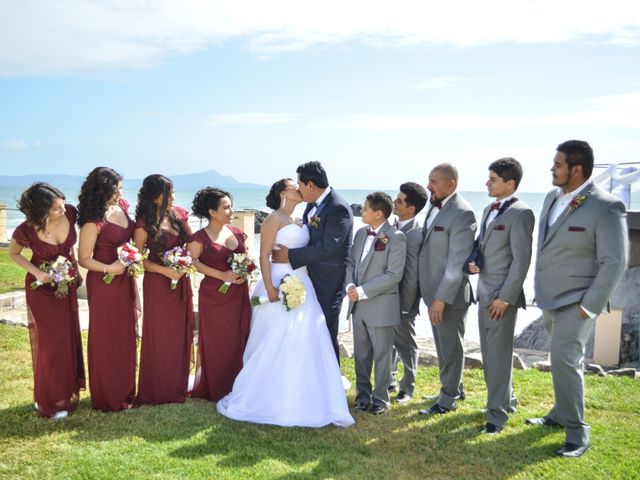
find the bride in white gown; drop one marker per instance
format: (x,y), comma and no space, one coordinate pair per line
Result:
(290,376)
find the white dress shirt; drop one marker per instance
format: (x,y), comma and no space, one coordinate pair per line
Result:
(433,213)
(562,201)
(494,213)
(368,242)
(313,210)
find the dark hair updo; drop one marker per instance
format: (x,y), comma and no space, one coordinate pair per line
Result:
(273,198)
(208,199)
(99,186)
(36,201)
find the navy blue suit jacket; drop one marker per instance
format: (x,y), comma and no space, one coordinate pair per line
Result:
(326,254)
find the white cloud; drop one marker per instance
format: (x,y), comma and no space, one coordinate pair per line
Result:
(610,111)
(251,118)
(69,35)
(14,144)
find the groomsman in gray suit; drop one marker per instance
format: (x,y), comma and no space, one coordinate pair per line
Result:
(374,270)
(410,201)
(501,256)
(581,256)
(449,230)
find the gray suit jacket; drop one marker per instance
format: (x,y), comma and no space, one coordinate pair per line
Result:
(410,286)
(378,274)
(506,249)
(445,248)
(583,254)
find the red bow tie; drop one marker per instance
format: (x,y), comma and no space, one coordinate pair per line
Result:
(371,232)
(495,206)
(436,203)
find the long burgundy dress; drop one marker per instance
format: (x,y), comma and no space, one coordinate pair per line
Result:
(54,327)
(112,323)
(223,322)
(167,327)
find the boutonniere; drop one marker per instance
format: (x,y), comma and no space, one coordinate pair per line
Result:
(577,201)
(314,221)
(381,242)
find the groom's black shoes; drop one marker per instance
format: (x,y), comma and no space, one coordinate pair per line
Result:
(571,450)
(378,409)
(362,406)
(545,421)
(436,409)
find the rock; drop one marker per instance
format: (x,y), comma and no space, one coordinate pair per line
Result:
(259,216)
(344,352)
(472,360)
(623,372)
(356,208)
(427,359)
(594,369)
(543,366)
(518,363)
(534,337)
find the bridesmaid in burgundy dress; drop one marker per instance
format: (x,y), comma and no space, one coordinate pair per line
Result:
(54,328)
(167,320)
(104,226)
(223,319)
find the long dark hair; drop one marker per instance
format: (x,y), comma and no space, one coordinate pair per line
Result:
(99,186)
(152,187)
(36,201)
(273,198)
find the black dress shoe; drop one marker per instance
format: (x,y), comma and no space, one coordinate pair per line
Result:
(491,428)
(436,409)
(392,387)
(462,396)
(363,406)
(378,409)
(571,450)
(403,397)
(545,421)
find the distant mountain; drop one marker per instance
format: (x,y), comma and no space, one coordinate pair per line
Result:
(189,181)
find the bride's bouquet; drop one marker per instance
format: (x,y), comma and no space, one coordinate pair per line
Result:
(242,265)
(131,258)
(179,259)
(62,272)
(292,293)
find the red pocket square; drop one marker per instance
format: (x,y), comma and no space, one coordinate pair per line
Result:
(577,229)
(499,227)
(438,228)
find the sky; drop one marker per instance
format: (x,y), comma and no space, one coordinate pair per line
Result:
(379,92)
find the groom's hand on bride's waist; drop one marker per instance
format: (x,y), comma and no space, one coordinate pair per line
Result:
(280,254)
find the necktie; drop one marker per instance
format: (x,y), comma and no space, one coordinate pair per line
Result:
(495,206)
(371,232)
(436,203)
(313,205)
(396,224)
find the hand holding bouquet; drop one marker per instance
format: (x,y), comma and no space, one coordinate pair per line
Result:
(243,266)
(179,259)
(131,258)
(292,293)
(61,272)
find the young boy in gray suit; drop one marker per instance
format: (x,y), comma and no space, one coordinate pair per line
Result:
(374,270)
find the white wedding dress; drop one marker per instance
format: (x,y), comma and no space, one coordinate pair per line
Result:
(290,376)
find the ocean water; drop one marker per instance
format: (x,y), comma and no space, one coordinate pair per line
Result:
(254,198)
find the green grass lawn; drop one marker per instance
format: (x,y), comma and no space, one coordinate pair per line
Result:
(193,441)
(11,275)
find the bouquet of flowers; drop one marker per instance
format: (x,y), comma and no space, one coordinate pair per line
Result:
(131,258)
(179,258)
(242,265)
(62,273)
(292,293)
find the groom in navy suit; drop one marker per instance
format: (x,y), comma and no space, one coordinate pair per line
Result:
(330,224)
